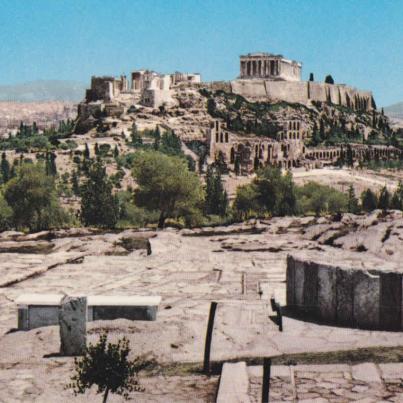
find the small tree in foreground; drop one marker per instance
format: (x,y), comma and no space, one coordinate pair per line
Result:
(107,366)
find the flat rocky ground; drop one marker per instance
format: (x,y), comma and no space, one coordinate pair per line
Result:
(240,266)
(365,382)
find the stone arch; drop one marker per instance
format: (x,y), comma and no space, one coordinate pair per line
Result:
(226,137)
(221,138)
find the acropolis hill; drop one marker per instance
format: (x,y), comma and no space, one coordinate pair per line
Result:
(267,115)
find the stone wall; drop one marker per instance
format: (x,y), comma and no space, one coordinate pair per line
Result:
(302,92)
(345,296)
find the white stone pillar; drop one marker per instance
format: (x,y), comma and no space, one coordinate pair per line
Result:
(73,325)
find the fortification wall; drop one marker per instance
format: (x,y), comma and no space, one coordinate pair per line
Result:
(293,92)
(250,89)
(302,92)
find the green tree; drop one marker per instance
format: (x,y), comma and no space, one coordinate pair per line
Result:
(99,207)
(311,78)
(349,156)
(276,192)
(86,151)
(352,201)
(397,198)
(39,208)
(216,197)
(5,168)
(329,79)
(116,151)
(237,165)
(369,201)
(246,201)
(157,139)
(75,184)
(96,149)
(170,144)
(6,215)
(135,136)
(108,367)
(384,199)
(166,184)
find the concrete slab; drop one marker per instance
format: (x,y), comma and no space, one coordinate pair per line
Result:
(367,372)
(234,384)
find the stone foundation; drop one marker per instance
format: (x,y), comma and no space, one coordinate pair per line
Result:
(43,310)
(367,299)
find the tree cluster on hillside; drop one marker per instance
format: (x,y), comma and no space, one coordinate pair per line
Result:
(29,137)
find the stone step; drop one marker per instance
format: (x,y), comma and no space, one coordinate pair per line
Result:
(234,384)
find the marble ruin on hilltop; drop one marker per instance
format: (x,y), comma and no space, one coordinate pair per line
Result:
(268,77)
(264,77)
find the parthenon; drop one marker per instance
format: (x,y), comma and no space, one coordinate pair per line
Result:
(269,66)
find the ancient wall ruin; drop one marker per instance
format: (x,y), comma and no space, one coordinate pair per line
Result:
(302,92)
(353,297)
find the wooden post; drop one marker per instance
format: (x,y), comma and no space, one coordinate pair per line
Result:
(280,318)
(209,335)
(266,380)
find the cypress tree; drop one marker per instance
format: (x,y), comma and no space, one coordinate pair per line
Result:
(157,139)
(352,201)
(135,136)
(75,185)
(384,199)
(99,207)
(5,168)
(216,196)
(369,200)
(116,151)
(86,151)
(237,166)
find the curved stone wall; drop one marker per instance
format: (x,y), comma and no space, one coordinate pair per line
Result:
(345,296)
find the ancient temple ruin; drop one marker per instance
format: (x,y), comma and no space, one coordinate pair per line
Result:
(269,66)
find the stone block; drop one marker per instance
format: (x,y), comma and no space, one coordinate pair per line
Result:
(344,296)
(290,280)
(366,300)
(125,307)
(299,278)
(234,384)
(37,310)
(311,288)
(366,372)
(391,301)
(327,304)
(73,322)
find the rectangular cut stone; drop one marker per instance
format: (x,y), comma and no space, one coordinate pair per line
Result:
(366,300)
(37,310)
(290,279)
(234,384)
(125,307)
(391,301)
(327,303)
(299,279)
(23,319)
(72,325)
(130,312)
(311,288)
(344,296)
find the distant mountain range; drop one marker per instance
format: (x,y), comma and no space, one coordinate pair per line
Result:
(43,90)
(394,111)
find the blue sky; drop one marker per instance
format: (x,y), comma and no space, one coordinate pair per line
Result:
(359,42)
